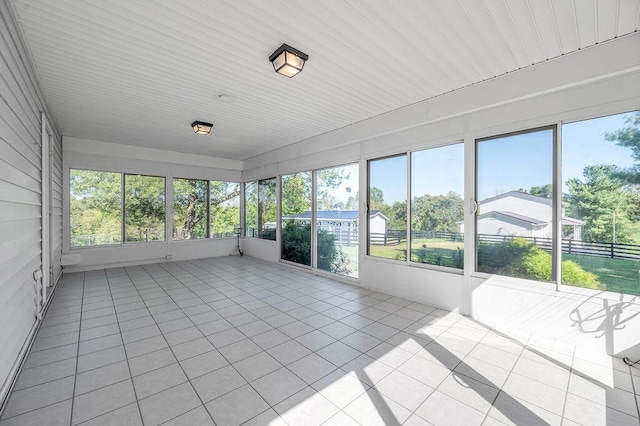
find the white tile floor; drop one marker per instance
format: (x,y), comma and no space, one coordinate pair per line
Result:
(233,340)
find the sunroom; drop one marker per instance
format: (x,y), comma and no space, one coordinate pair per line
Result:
(320,213)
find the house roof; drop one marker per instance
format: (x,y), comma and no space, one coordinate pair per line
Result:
(518,194)
(530,220)
(516,216)
(333,215)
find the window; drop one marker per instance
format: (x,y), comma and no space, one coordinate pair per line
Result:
(251,209)
(337,221)
(225,208)
(296,218)
(601,203)
(267,209)
(437,185)
(515,220)
(387,208)
(189,209)
(144,212)
(95,216)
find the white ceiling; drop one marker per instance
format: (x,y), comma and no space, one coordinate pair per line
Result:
(139,72)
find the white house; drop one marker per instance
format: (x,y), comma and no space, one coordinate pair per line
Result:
(521,214)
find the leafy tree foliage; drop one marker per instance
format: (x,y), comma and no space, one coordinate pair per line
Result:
(629,137)
(296,193)
(437,212)
(224,208)
(96,208)
(545,191)
(596,197)
(144,208)
(189,209)
(267,208)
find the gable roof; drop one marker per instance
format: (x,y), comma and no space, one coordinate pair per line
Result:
(519,217)
(521,195)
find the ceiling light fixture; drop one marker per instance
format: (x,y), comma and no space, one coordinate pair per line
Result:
(288,61)
(201,128)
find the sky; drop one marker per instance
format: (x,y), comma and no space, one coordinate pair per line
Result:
(504,164)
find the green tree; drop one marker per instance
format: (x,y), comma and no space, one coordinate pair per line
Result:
(545,191)
(189,209)
(596,198)
(224,212)
(352,202)
(296,193)
(629,137)
(251,208)
(376,199)
(95,207)
(437,212)
(266,208)
(144,208)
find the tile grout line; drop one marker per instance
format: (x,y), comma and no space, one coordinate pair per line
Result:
(249,383)
(75,378)
(124,348)
(170,348)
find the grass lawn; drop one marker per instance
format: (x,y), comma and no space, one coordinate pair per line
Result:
(436,252)
(618,275)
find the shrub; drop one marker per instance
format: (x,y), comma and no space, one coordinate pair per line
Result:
(573,274)
(520,258)
(296,247)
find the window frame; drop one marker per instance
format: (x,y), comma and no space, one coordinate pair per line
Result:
(173,209)
(556,206)
(68,234)
(431,266)
(240,197)
(124,210)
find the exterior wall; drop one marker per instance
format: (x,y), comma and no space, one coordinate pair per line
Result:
(590,83)
(96,155)
(536,209)
(21,198)
(377,225)
(501,225)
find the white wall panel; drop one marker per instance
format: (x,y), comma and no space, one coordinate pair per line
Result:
(20,198)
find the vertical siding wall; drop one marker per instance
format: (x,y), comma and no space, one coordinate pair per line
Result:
(20,195)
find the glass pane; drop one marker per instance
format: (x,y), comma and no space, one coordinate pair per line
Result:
(515,206)
(95,208)
(601,191)
(388,207)
(296,218)
(144,208)
(337,219)
(225,208)
(189,209)
(251,209)
(267,209)
(437,184)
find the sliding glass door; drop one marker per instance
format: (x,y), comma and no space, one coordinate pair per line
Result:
(515,220)
(296,217)
(337,219)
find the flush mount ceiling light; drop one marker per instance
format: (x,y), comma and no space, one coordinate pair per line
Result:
(288,61)
(201,128)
